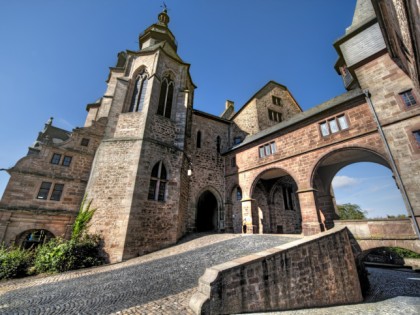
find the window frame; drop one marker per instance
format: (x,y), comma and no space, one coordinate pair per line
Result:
(85,142)
(410,98)
(54,159)
(45,190)
(333,121)
(138,93)
(66,158)
(267,149)
(276,100)
(275,116)
(159,183)
(165,108)
(57,192)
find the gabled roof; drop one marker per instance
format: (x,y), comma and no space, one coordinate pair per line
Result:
(353,94)
(260,93)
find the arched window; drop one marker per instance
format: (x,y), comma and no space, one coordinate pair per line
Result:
(158,181)
(166,96)
(199,139)
(218,144)
(238,193)
(137,100)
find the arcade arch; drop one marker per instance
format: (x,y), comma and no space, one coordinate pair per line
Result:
(276,206)
(209,214)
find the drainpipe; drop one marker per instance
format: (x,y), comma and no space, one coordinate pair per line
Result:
(393,165)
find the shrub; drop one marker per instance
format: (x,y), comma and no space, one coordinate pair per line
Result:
(60,255)
(404,253)
(14,262)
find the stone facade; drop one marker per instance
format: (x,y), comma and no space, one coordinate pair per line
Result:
(156,168)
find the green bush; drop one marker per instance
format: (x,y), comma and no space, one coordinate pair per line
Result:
(60,255)
(14,262)
(404,253)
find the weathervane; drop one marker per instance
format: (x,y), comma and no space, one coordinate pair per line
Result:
(164,6)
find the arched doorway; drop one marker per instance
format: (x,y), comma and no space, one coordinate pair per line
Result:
(207,210)
(277,208)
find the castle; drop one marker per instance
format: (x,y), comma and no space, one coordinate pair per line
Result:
(156,168)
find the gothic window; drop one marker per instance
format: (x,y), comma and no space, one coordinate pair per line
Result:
(408,98)
(158,181)
(199,139)
(44,190)
(288,197)
(416,135)
(56,158)
(333,125)
(238,193)
(218,144)
(166,96)
(137,99)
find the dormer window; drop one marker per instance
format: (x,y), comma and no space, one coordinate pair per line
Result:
(166,96)
(274,116)
(137,99)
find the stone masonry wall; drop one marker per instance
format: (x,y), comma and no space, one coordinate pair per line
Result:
(312,272)
(385,80)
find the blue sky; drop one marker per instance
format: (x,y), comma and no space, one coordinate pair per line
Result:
(55,54)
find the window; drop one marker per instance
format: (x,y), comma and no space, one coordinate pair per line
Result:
(233,161)
(56,158)
(408,98)
(333,125)
(166,96)
(57,191)
(416,135)
(67,160)
(137,100)
(44,190)
(288,197)
(237,140)
(84,142)
(218,144)
(158,181)
(199,139)
(267,149)
(238,193)
(276,100)
(275,116)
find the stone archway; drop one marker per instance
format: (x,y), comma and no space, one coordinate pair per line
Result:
(33,238)
(276,206)
(207,212)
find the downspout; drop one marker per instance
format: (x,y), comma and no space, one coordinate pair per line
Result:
(393,165)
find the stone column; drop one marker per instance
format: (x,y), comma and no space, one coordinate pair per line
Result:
(310,218)
(228,217)
(248,208)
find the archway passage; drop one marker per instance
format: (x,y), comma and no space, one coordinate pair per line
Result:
(33,238)
(207,212)
(277,208)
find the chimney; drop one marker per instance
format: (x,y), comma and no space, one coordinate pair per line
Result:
(229,103)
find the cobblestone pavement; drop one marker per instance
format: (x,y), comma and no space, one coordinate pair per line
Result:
(159,283)
(163,283)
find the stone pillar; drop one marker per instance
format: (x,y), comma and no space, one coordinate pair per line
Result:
(310,217)
(249,207)
(228,217)
(327,207)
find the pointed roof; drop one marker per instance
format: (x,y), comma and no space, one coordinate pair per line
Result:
(363,13)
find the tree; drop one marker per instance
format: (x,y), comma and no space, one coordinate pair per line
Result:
(350,211)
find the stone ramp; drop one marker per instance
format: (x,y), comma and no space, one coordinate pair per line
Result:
(158,283)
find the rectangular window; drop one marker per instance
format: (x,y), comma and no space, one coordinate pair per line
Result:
(276,100)
(267,149)
(67,160)
(333,125)
(56,158)
(416,135)
(408,98)
(275,116)
(342,121)
(84,142)
(57,191)
(44,191)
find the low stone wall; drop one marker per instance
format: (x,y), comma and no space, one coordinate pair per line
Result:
(316,271)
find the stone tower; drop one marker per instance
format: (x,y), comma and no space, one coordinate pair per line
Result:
(139,180)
